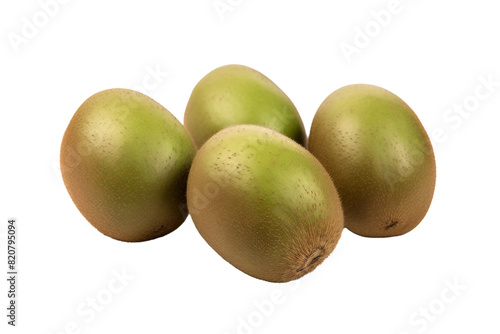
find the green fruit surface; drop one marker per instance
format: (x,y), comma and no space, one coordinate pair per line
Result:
(236,94)
(379,157)
(264,203)
(125,161)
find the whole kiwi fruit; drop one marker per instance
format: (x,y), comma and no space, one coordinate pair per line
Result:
(125,160)
(264,203)
(237,94)
(379,157)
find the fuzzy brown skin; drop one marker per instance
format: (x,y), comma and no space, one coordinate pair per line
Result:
(264,203)
(125,161)
(236,94)
(379,157)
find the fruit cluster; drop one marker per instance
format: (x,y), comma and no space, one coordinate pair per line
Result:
(240,167)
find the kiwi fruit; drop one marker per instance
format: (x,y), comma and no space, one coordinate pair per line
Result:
(379,157)
(125,160)
(264,203)
(236,94)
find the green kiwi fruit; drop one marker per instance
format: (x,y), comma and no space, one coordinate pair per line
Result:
(236,94)
(125,160)
(264,203)
(379,157)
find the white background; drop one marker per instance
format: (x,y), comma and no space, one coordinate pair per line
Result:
(432,54)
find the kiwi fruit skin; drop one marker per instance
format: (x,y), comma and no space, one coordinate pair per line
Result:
(264,203)
(125,160)
(236,94)
(379,157)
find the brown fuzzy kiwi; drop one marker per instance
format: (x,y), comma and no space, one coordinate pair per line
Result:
(125,161)
(264,203)
(379,157)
